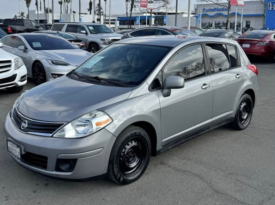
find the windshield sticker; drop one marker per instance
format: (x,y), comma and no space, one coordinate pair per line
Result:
(36,44)
(93,61)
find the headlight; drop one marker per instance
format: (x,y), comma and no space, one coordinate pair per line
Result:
(16,103)
(55,62)
(18,63)
(84,125)
(106,41)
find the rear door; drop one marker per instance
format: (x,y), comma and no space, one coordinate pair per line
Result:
(227,78)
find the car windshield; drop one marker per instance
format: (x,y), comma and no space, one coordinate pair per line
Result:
(66,36)
(2,33)
(255,35)
(45,42)
(123,63)
(212,34)
(94,29)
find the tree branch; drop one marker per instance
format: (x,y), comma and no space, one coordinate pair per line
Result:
(218,4)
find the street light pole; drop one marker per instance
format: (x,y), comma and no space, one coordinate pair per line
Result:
(176,16)
(109,13)
(189,14)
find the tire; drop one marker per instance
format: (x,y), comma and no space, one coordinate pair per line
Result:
(93,48)
(130,156)
(38,73)
(272,58)
(244,113)
(15,89)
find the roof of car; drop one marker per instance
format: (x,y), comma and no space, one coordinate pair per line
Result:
(82,23)
(172,41)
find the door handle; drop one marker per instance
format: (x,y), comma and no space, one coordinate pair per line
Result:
(238,76)
(205,86)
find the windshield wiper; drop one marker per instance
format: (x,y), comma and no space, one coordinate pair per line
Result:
(109,81)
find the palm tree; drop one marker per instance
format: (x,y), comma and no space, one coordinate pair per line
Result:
(21,14)
(99,4)
(36,4)
(44,4)
(60,3)
(74,12)
(66,5)
(79,9)
(90,7)
(52,12)
(28,2)
(48,10)
(131,11)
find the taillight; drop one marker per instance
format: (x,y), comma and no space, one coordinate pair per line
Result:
(253,68)
(262,44)
(9,29)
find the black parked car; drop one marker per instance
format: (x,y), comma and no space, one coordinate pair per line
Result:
(219,33)
(2,33)
(159,31)
(19,26)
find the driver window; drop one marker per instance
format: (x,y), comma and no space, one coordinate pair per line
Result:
(18,42)
(81,29)
(187,63)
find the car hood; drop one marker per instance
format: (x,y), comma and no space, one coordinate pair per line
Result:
(107,35)
(65,99)
(72,56)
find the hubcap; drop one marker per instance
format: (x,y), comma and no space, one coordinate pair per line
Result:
(245,110)
(131,156)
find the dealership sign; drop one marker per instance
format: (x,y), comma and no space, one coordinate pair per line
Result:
(150,4)
(216,9)
(271,5)
(237,2)
(143,3)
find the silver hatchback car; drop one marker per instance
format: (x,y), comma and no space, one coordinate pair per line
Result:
(135,98)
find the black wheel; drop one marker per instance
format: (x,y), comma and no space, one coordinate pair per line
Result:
(244,113)
(15,89)
(130,156)
(38,73)
(93,48)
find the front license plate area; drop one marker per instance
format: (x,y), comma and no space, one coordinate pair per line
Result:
(14,150)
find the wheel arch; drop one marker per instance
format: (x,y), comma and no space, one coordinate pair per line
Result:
(252,95)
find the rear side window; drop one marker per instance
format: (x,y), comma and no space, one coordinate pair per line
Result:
(145,32)
(232,53)
(57,27)
(72,28)
(218,57)
(159,32)
(187,63)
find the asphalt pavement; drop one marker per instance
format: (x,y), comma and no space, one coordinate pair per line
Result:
(223,167)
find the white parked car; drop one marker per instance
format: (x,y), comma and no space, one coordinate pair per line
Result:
(13,72)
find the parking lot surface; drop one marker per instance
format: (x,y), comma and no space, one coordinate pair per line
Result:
(221,167)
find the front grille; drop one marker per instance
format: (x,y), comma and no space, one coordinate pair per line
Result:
(8,80)
(35,160)
(34,127)
(5,66)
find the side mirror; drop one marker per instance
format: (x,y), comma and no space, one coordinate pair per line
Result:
(1,45)
(22,48)
(172,82)
(83,32)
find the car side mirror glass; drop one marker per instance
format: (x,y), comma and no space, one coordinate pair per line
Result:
(172,82)
(1,45)
(83,32)
(22,48)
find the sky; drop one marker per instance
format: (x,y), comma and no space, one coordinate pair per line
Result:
(9,8)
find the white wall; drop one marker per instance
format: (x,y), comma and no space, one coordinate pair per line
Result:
(181,21)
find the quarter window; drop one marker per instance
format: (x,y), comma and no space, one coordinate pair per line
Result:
(187,63)
(232,56)
(17,42)
(218,57)
(159,32)
(57,27)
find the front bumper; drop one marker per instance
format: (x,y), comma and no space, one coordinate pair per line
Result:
(92,152)
(19,80)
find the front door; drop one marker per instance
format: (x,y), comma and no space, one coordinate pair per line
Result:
(187,110)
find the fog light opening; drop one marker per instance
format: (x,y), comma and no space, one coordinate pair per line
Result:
(65,165)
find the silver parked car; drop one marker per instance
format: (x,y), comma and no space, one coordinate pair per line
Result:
(134,99)
(95,36)
(45,56)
